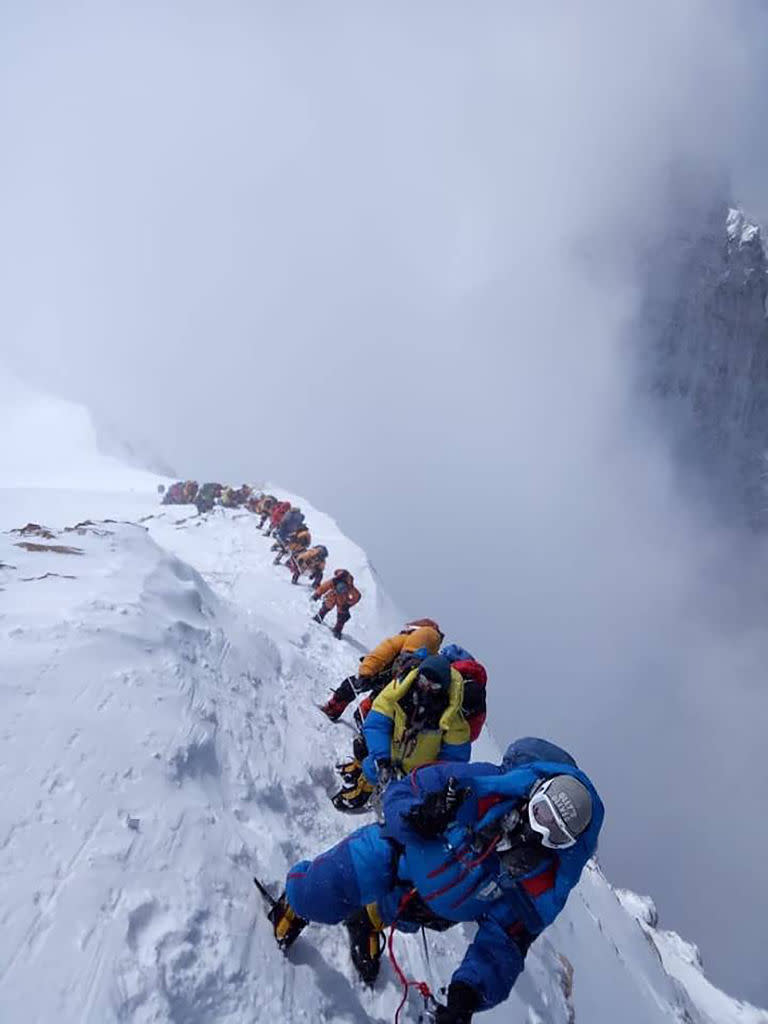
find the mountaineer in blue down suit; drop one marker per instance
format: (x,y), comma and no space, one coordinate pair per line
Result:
(502,845)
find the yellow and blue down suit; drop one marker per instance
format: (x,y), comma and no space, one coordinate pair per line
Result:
(386,729)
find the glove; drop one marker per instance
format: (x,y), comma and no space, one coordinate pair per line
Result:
(445,1015)
(437,810)
(315,597)
(384,771)
(463,1000)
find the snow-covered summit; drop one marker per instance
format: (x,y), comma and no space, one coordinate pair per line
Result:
(739,230)
(52,443)
(160,744)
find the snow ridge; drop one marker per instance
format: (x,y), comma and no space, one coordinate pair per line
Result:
(160,745)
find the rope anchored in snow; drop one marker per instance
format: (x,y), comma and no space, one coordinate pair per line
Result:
(430,1003)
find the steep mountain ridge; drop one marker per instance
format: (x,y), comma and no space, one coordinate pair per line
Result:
(160,744)
(705,313)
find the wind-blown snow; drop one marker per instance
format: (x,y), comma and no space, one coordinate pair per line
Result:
(160,744)
(40,435)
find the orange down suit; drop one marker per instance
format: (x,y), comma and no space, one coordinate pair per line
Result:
(299,541)
(382,656)
(311,560)
(341,601)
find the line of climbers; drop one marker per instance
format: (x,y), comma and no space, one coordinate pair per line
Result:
(291,538)
(205,497)
(400,720)
(285,524)
(498,845)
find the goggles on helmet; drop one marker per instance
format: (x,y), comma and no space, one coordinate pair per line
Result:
(544,819)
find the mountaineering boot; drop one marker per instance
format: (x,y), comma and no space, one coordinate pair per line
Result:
(366,942)
(295,578)
(359,748)
(350,772)
(342,618)
(341,698)
(286,923)
(357,790)
(334,707)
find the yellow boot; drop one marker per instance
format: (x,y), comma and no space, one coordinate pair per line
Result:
(366,942)
(286,923)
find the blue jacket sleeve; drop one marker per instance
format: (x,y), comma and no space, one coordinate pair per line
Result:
(491,964)
(456,752)
(378,737)
(550,903)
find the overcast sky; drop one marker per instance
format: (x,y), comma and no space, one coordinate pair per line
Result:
(385,254)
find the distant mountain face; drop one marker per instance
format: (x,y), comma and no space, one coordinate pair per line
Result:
(138,454)
(707,362)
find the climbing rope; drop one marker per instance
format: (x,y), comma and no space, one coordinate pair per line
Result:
(421,986)
(408,983)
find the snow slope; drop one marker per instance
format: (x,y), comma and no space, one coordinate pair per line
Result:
(159,744)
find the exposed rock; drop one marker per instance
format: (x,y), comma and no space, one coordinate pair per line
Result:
(706,316)
(59,549)
(34,530)
(565,974)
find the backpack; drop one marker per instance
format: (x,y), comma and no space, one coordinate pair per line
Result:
(406,661)
(400,667)
(474,705)
(455,653)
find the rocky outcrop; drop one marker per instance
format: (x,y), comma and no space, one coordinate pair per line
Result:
(706,319)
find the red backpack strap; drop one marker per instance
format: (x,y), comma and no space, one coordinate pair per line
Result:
(541,883)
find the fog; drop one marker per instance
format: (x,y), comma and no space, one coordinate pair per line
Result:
(386,254)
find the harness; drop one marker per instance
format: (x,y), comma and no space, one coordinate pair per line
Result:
(421,715)
(418,912)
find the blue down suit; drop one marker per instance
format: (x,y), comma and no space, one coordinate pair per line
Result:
(453,876)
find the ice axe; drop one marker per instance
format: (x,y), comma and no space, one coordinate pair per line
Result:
(267,896)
